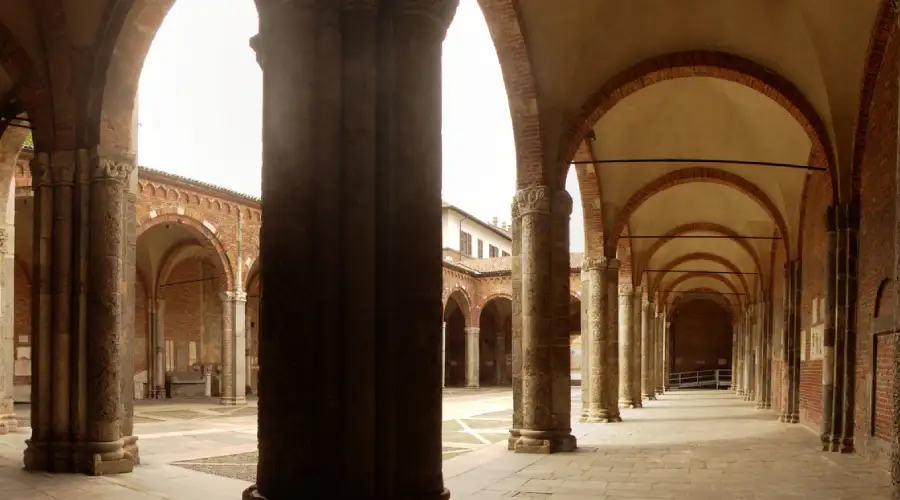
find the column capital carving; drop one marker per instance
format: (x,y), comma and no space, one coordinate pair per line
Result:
(472,330)
(62,168)
(40,169)
(533,199)
(441,12)
(514,208)
(625,290)
(562,203)
(593,264)
(233,296)
(3,237)
(105,168)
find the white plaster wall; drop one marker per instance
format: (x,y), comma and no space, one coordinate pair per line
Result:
(451,221)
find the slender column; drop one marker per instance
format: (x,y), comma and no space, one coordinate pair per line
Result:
(129,279)
(609,350)
(443,354)
(516,341)
(248,356)
(647,391)
(667,351)
(636,346)
(758,356)
(749,354)
(560,342)
(234,312)
(791,376)
(845,334)
(769,328)
(539,432)
(586,334)
(626,345)
(8,422)
(659,360)
(500,355)
(159,349)
(828,317)
(784,416)
(473,359)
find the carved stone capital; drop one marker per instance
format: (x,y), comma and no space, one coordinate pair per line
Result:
(40,169)
(473,330)
(440,12)
(62,168)
(625,290)
(533,199)
(108,169)
(235,296)
(592,264)
(3,238)
(562,203)
(514,208)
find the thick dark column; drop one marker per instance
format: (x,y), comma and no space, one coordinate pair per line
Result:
(610,350)
(791,414)
(659,369)
(647,391)
(845,328)
(636,345)
(826,427)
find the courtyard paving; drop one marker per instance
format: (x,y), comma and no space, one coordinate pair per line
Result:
(689,445)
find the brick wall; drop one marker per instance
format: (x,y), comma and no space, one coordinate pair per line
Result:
(701,333)
(193,313)
(876,262)
(141,335)
(818,198)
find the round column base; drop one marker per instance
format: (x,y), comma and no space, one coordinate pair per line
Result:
(545,442)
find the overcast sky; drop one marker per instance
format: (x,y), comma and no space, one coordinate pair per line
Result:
(200,104)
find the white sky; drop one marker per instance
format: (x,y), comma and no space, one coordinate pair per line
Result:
(200,102)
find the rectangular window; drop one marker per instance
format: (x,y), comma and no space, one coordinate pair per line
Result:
(493,251)
(506,254)
(465,243)
(480,249)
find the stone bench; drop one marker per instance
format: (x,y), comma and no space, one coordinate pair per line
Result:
(187,384)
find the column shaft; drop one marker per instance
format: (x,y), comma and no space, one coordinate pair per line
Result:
(609,352)
(826,427)
(659,357)
(596,343)
(626,345)
(473,359)
(500,358)
(234,311)
(8,421)
(159,349)
(636,346)
(516,333)
(647,391)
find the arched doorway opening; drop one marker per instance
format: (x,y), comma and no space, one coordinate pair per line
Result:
(252,329)
(700,335)
(456,314)
(495,363)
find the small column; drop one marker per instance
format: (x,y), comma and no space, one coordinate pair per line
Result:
(626,346)
(667,351)
(159,349)
(8,422)
(234,311)
(500,361)
(473,359)
(248,357)
(443,354)
(586,339)
(647,391)
(749,372)
(826,427)
(636,346)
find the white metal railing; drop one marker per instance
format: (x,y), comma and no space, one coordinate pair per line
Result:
(716,379)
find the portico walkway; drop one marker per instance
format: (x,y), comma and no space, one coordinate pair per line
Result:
(690,445)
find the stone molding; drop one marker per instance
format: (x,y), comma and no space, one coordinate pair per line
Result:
(235,296)
(592,264)
(514,208)
(625,290)
(533,199)
(472,330)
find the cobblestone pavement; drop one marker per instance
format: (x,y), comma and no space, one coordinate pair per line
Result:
(690,445)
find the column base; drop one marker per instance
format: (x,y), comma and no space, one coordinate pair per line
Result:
(37,455)
(233,401)
(545,442)
(470,386)
(104,458)
(784,418)
(131,449)
(252,493)
(649,396)
(659,391)
(512,439)
(626,403)
(602,416)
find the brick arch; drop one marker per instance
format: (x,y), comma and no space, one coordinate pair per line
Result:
(466,308)
(479,309)
(717,277)
(882,31)
(885,291)
(703,256)
(32,88)
(682,300)
(206,234)
(699,174)
(707,227)
(710,64)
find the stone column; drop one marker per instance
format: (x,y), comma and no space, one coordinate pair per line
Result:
(234,338)
(159,349)
(516,333)
(104,451)
(610,351)
(828,338)
(538,433)
(500,357)
(667,351)
(845,327)
(790,378)
(586,338)
(248,356)
(749,354)
(769,328)
(596,340)
(8,422)
(647,391)
(443,354)
(636,346)
(626,347)
(473,359)
(659,358)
